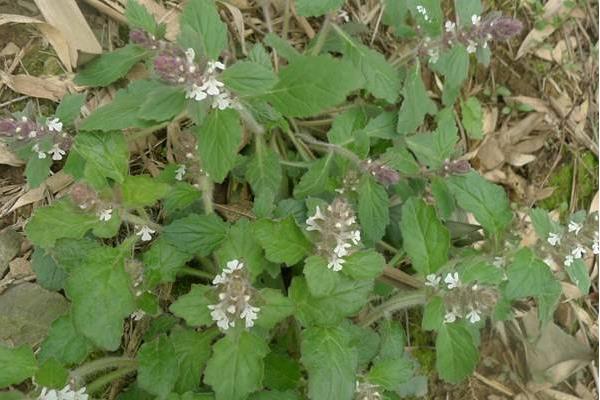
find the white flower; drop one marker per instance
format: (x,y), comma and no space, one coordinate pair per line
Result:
(596,246)
(54,124)
(32,134)
(341,249)
(553,239)
(57,152)
(249,314)
(335,264)
(222,101)
(473,316)
(218,315)
(569,260)
(36,148)
(434,55)
(233,265)
(137,315)
(421,10)
(105,215)
(472,47)
(452,280)
(498,262)
(343,15)
(578,251)
(212,66)
(180,172)
(146,233)
(190,54)
(220,278)
(64,394)
(475,19)
(310,221)
(432,280)
(195,92)
(450,26)
(212,85)
(450,317)
(574,227)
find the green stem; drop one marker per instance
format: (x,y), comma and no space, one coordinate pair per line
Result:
(134,219)
(389,247)
(295,164)
(398,302)
(331,147)
(108,378)
(102,364)
(206,188)
(322,36)
(299,145)
(196,272)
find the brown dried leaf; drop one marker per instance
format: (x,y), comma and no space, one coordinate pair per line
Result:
(490,154)
(8,158)
(48,87)
(54,184)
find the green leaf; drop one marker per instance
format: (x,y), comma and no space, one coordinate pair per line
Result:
(37,170)
(364,265)
(106,153)
(236,367)
(346,131)
(275,307)
(281,372)
(202,18)
(139,17)
(433,315)
(48,274)
(248,78)
(123,111)
(465,9)
(456,355)
(100,292)
(259,55)
(481,272)
(310,84)
(192,350)
(219,138)
(426,240)
(383,126)
(544,224)
(393,340)
(181,196)
(444,201)
(60,220)
(433,148)
(454,65)
(331,363)
(579,275)
(472,117)
(51,374)
(394,15)
(373,208)
(400,159)
(365,340)
(282,47)
(162,262)
(142,191)
(163,103)
(487,201)
(64,343)
(315,180)
(264,171)
(415,104)
(17,363)
(430,21)
(196,234)
(315,8)
(282,240)
(69,108)
(391,372)
(158,366)
(320,280)
(193,306)
(109,67)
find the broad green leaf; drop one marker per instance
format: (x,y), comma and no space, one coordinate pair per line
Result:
(259,55)
(162,262)
(282,240)
(139,17)
(283,47)
(316,179)
(395,14)
(51,374)
(158,366)
(123,111)
(48,274)
(315,8)
(579,275)
(481,272)
(544,224)
(281,372)
(331,363)
(248,78)
(454,65)
(472,117)
(393,340)
(373,208)
(106,153)
(365,340)
(202,18)
(69,108)
(274,307)
(310,84)
(346,131)
(64,343)
(364,265)
(400,159)
(142,191)
(192,350)
(109,67)
(433,315)
(37,170)
(320,280)
(181,196)
(444,201)
(415,104)
(390,373)
(383,126)
(236,367)
(465,9)
(196,234)
(433,148)
(219,138)
(264,171)
(487,201)
(99,289)
(426,240)
(163,103)
(429,16)
(17,363)
(59,220)
(193,306)
(456,354)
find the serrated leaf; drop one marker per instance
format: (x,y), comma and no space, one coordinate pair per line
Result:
(196,234)
(544,224)
(373,208)
(274,308)
(142,191)
(393,340)
(17,363)
(364,265)
(315,8)
(395,14)
(454,65)
(139,17)
(433,315)
(430,17)
(106,153)
(365,340)
(48,274)
(202,18)
(181,196)
(100,292)
(283,47)
(415,104)
(310,84)
(472,117)
(51,374)
(487,201)
(282,240)
(37,170)
(163,103)
(264,171)
(315,180)
(383,126)
(162,262)
(320,280)
(456,355)
(109,67)
(481,272)
(433,148)
(192,350)
(219,138)
(193,306)
(444,201)
(579,275)
(331,363)
(248,78)
(158,366)
(281,372)
(236,367)
(390,373)
(69,108)
(400,159)
(426,240)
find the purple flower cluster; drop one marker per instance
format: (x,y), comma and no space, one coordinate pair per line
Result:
(26,131)
(381,172)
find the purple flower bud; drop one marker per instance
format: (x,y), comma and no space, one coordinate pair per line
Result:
(170,68)
(381,172)
(503,28)
(7,127)
(457,167)
(139,37)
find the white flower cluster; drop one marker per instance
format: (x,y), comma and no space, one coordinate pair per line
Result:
(423,11)
(145,233)
(452,281)
(64,394)
(211,86)
(572,243)
(367,391)
(337,227)
(234,297)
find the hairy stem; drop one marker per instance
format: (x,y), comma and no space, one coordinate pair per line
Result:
(196,272)
(401,301)
(102,364)
(108,378)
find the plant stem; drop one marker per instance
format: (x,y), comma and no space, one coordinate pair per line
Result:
(134,219)
(295,164)
(196,272)
(322,36)
(206,188)
(108,378)
(398,302)
(101,364)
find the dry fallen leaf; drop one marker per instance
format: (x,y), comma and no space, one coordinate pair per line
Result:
(8,158)
(54,184)
(48,87)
